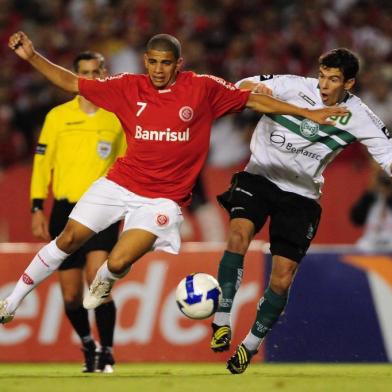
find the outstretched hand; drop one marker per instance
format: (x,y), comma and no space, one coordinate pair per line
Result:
(321,116)
(39,226)
(20,43)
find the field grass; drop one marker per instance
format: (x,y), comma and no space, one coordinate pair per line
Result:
(197,377)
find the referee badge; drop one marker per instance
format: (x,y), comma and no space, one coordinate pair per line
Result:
(104,149)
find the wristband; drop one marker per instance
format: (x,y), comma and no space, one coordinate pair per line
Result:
(37,205)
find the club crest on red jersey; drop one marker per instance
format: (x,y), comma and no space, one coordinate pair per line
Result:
(162,220)
(186,113)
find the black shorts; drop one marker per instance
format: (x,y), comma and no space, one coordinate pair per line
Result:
(294,218)
(105,240)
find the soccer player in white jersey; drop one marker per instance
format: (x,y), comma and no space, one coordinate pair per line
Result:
(283,181)
(166,116)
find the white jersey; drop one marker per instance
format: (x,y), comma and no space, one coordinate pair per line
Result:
(292,152)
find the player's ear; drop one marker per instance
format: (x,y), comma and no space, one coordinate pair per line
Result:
(180,63)
(349,84)
(145,59)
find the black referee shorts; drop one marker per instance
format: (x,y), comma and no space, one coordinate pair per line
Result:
(294,218)
(105,240)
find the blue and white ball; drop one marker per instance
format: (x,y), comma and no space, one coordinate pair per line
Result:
(198,295)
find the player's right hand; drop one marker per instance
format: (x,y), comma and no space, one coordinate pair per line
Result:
(39,225)
(322,116)
(20,43)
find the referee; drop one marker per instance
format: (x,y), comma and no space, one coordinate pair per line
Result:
(77,145)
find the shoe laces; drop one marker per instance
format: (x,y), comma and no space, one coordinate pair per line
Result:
(100,287)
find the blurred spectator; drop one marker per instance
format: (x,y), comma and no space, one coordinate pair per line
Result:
(378,96)
(225,37)
(373,211)
(12,146)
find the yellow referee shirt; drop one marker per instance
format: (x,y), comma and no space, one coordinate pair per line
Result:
(77,148)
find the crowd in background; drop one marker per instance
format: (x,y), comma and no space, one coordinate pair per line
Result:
(228,38)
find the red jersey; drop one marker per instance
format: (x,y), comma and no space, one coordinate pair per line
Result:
(167,131)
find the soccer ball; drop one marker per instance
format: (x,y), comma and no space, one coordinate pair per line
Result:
(198,295)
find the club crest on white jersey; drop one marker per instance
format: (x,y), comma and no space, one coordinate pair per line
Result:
(308,128)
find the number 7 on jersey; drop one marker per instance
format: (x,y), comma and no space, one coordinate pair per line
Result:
(142,107)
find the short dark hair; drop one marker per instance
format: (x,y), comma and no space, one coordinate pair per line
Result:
(88,56)
(342,58)
(165,43)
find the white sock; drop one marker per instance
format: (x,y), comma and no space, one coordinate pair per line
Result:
(104,274)
(222,318)
(252,342)
(45,262)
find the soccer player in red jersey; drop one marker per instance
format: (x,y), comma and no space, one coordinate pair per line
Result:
(167,116)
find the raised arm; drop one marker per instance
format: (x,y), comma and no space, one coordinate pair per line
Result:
(267,104)
(61,77)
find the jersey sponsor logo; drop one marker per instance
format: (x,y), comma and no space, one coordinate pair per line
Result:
(302,151)
(27,280)
(277,138)
(306,98)
(167,135)
(386,132)
(221,81)
(308,128)
(186,113)
(162,220)
(41,149)
(104,148)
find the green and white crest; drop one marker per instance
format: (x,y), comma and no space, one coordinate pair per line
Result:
(308,128)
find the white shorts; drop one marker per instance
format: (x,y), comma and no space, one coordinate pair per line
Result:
(106,202)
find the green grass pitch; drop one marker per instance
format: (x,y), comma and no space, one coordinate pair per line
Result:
(198,377)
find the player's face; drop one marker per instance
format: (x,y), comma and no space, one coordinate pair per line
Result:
(91,69)
(162,67)
(333,87)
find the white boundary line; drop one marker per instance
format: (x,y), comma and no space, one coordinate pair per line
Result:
(256,245)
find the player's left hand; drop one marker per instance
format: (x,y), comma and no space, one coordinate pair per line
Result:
(321,116)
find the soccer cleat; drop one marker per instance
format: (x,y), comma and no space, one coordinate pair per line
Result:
(105,361)
(238,363)
(221,338)
(99,291)
(90,358)
(5,316)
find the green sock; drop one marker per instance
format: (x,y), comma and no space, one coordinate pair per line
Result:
(229,276)
(270,307)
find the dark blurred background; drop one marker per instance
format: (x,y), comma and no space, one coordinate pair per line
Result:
(229,38)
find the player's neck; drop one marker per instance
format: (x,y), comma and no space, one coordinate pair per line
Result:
(86,106)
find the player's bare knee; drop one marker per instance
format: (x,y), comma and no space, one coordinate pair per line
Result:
(119,264)
(68,241)
(280,283)
(238,241)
